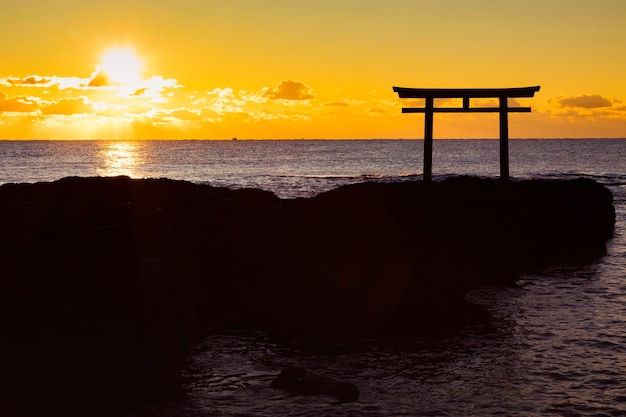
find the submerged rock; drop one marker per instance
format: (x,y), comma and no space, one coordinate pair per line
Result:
(105,283)
(300,381)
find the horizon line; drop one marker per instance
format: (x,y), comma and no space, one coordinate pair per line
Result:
(290,139)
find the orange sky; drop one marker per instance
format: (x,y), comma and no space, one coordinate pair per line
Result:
(216,69)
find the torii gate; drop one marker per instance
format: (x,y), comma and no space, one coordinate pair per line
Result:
(430,94)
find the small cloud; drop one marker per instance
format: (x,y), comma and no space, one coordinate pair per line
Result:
(290,90)
(222,93)
(336,104)
(157,82)
(98,79)
(409,102)
(139,92)
(257,97)
(377,110)
(154,87)
(3,96)
(585,101)
(485,102)
(223,100)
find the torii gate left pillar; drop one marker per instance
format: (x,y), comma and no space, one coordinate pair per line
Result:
(429,109)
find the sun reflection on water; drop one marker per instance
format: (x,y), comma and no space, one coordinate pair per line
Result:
(119,158)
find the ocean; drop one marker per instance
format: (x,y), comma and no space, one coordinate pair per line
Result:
(555,343)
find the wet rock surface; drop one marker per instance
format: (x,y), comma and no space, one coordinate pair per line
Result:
(105,283)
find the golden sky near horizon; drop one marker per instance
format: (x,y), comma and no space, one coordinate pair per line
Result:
(216,69)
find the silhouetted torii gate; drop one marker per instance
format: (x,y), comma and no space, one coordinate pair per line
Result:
(430,94)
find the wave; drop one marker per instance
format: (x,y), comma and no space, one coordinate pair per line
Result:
(351,177)
(609,179)
(612,179)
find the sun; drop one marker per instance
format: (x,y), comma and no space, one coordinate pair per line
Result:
(121,66)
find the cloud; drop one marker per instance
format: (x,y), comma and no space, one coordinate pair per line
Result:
(96,80)
(20,104)
(185,114)
(68,106)
(3,96)
(585,101)
(290,90)
(29,81)
(138,108)
(44,82)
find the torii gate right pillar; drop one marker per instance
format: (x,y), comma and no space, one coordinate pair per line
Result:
(504,138)
(428,139)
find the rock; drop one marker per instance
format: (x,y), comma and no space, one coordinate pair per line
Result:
(105,283)
(300,381)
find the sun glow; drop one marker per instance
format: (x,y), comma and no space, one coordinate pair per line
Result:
(121,66)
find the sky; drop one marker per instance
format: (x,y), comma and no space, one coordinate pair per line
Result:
(291,69)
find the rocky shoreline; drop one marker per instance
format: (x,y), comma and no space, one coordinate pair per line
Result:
(105,283)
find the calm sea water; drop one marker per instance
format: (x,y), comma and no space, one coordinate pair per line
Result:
(557,341)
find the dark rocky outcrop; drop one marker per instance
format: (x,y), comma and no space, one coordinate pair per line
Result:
(106,282)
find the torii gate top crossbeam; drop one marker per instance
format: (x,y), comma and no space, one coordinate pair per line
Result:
(465,92)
